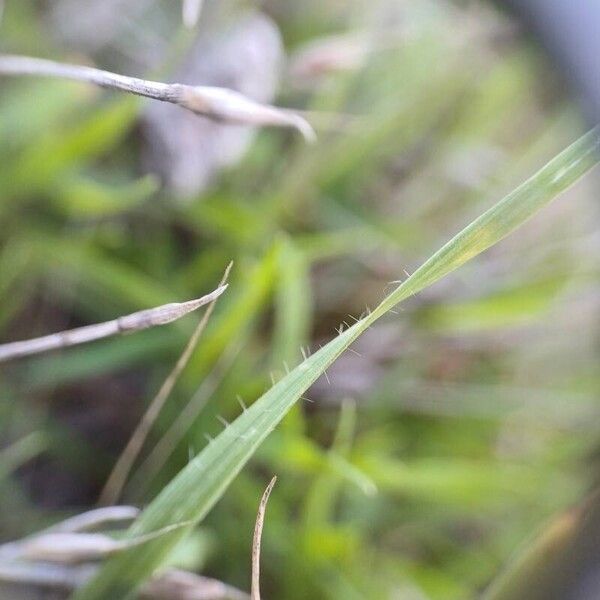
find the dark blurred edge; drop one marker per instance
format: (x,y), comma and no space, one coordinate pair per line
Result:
(570,31)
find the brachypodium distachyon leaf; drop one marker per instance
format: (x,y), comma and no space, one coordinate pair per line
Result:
(193,492)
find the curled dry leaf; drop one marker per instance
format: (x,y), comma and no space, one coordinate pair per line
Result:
(50,581)
(166,313)
(58,560)
(220,104)
(64,540)
(137,321)
(69,548)
(232,107)
(93,519)
(238,69)
(74,548)
(245,57)
(181,585)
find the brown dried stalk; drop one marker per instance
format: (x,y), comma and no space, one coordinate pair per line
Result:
(216,103)
(258,527)
(118,476)
(159,454)
(143,319)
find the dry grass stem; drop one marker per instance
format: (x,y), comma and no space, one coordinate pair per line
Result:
(258,527)
(163,448)
(143,319)
(116,480)
(216,103)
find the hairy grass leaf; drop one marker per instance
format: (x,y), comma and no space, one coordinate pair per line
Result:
(193,492)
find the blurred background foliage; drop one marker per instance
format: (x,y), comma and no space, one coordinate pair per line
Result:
(463,423)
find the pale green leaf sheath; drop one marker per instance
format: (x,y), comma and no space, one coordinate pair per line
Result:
(198,486)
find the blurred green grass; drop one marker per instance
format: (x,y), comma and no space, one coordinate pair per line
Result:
(474,406)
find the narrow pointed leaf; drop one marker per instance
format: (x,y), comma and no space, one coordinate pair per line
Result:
(193,492)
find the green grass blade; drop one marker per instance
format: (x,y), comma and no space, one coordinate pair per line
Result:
(43,162)
(530,573)
(20,452)
(193,492)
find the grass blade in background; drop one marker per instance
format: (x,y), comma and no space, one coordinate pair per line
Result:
(530,570)
(559,559)
(20,452)
(193,492)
